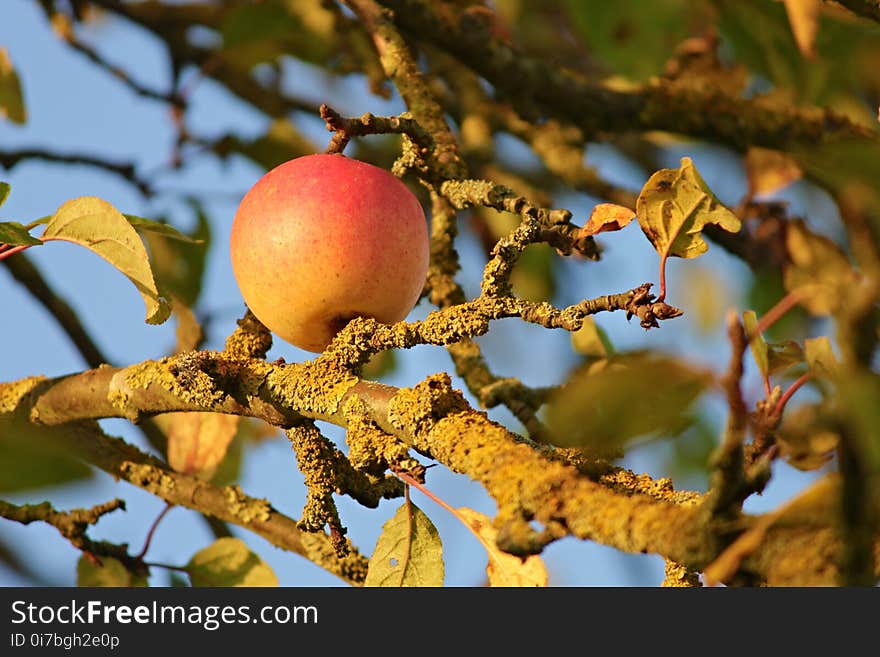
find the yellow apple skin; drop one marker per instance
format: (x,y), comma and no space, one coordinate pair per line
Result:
(322,239)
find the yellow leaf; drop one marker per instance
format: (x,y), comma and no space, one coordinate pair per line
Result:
(95,224)
(803,15)
(673,208)
(229,562)
(503,569)
(820,356)
(768,171)
(818,268)
(108,573)
(757,344)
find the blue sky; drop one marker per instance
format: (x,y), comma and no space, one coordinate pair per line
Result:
(75,107)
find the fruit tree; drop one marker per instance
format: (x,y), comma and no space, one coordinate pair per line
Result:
(513,279)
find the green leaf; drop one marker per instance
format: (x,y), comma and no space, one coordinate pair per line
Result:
(818,269)
(765,289)
(266,31)
(11,101)
(95,224)
(592,341)
(14,233)
(859,401)
(759,35)
(5,188)
(633,395)
(254,23)
(757,344)
(32,457)
(673,208)
(783,355)
(534,277)
(148,225)
(379,365)
(110,573)
(631,37)
(820,357)
(229,562)
(179,266)
(408,553)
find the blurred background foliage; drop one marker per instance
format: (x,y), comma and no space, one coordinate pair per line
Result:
(234,88)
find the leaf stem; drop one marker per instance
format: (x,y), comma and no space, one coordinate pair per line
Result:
(153,528)
(662,296)
(152,564)
(776,313)
(793,388)
(412,481)
(7,250)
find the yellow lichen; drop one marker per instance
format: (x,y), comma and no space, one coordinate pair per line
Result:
(369,448)
(317,386)
(149,477)
(13,392)
(660,489)
(247,343)
(679,576)
(245,508)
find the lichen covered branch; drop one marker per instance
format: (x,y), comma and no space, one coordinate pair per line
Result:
(73,526)
(527,485)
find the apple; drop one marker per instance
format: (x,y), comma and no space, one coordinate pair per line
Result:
(322,239)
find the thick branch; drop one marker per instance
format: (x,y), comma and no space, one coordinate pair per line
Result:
(596,108)
(435,420)
(229,503)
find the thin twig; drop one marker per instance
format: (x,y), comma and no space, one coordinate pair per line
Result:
(152,530)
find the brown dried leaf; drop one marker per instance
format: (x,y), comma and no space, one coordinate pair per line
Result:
(607,217)
(197,442)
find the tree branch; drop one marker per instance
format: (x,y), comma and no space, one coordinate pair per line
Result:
(9,159)
(73,524)
(597,108)
(865,8)
(123,461)
(431,418)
